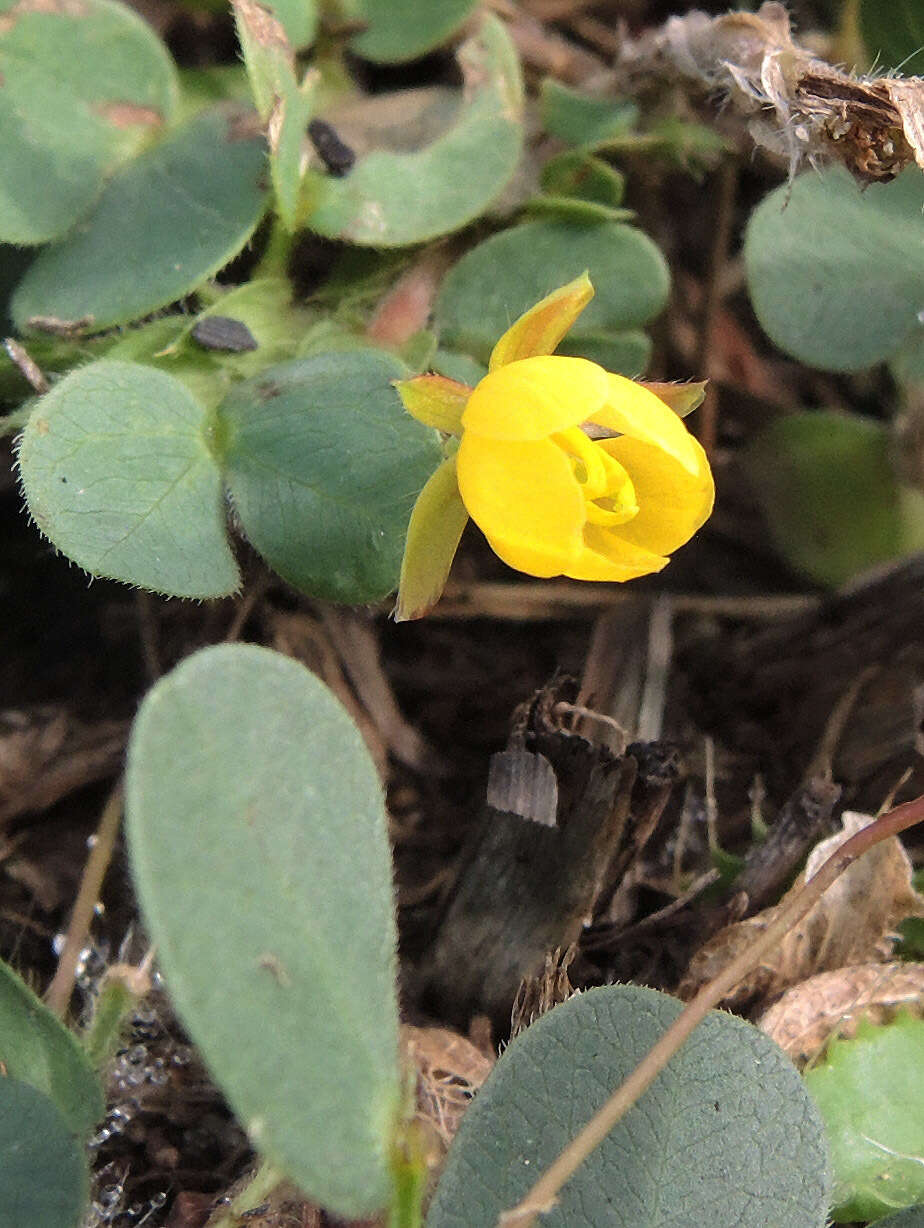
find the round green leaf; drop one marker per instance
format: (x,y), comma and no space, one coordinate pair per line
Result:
(45,1182)
(36,1048)
(911,1217)
(836,274)
(504,276)
(894,35)
(830,495)
(399,30)
(390,199)
(584,119)
(117,473)
(83,85)
(166,222)
(324,466)
(258,844)
(870,1091)
(726,1136)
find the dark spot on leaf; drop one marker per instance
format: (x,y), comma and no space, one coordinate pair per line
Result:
(267,389)
(223,333)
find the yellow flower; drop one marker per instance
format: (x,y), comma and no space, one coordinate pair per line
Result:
(567,469)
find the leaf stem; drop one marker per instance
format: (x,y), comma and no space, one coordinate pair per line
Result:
(543,1195)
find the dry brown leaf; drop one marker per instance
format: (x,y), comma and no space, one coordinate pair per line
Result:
(850,924)
(798,105)
(450,1069)
(833,1003)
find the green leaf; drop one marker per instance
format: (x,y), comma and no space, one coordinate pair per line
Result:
(725,1136)
(173,217)
(835,272)
(299,19)
(36,1048)
(83,87)
(870,1091)
(258,844)
(830,495)
(627,352)
(894,35)
(324,466)
(584,177)
(391,199)
(45,1182)
(118,474)
(400,30)
(911,1217)
(283,104)
(581,119)
(501,278)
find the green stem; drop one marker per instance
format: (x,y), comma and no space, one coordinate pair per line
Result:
(275,260)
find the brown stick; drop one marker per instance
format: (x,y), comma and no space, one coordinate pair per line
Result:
(62,985)
(543,1195)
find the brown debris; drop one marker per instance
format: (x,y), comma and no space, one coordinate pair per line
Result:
(850,924)
(798,105)
(46,753)
(538,994)
(450,1069)
(809,1015)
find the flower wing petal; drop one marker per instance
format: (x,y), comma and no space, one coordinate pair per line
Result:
(524,497)
(634,411)
(436,524)
(673,501)
(539,330)
(435,401)
(535,397)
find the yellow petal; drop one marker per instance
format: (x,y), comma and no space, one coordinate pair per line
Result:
(437,521)
(539,330)
(536,397)
(673,502)
(634,411)
(605,557)
(524,496)
(435,401)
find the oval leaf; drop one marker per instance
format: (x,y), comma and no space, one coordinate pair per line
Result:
(323,466)
(173,217)
(36,1048)
(504,276)
(404,31)
(390,199)
(45,1182)
(830,495)
(725,1136)
(835,272)
(258,844)
(118,475)
(870,1090)
(83,85)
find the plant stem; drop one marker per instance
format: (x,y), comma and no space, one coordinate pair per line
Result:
(11,423)
(62,984)
(543,1195)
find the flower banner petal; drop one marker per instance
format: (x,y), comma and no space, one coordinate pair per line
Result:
(634,411)
(539,330)
(535,397)
(437,521)
(435,400)
(499,481)
(673,502)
